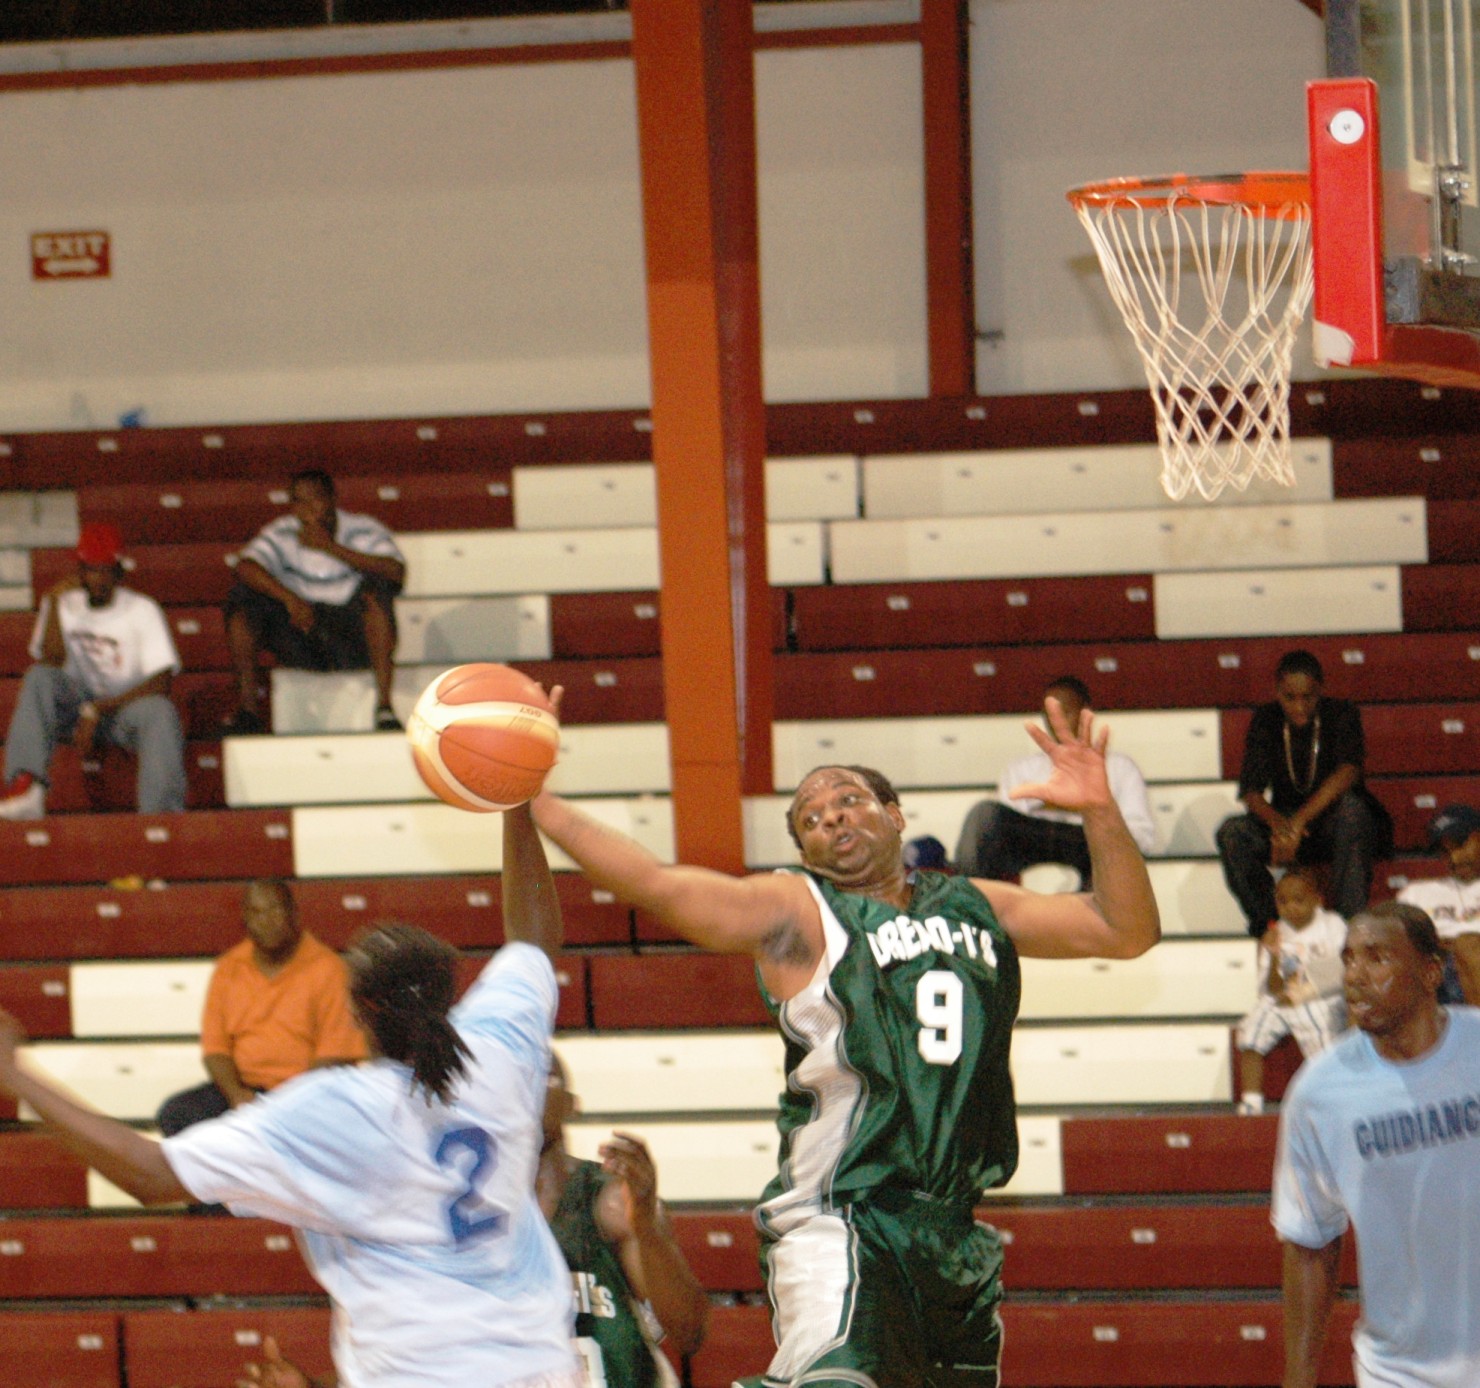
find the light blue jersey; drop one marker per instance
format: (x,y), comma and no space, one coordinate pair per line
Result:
(418,1218)
(1394,1150)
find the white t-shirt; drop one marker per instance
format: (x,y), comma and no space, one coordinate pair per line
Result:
(1453,906)
(110,649)
(1127,789)
(1316,952)
(419,1219)
(312,574)
(1394,1150)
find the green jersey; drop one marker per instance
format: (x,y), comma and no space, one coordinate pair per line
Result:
(897,1054)
(615,1333)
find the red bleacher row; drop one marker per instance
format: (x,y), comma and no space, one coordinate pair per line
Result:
(1205,1270)
(1053,1344)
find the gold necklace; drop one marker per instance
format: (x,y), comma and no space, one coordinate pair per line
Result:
(1315,751)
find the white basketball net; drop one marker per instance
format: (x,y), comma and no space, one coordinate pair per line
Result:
(1220,380)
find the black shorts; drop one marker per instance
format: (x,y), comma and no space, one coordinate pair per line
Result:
(336,640)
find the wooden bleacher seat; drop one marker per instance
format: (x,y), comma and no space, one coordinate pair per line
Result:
(711,1162)
(1147,1063)
(1029,481)
(970,612)
(1162,1154)
(1439,597)
(668,990)
(1453,529)
(1432,465)
(195,573)
(413,839)
(38,1173)
(1181,978)
(208,844)
(39,995)
(1111,1344)
(202,1349)
(127,1080)
(1279,602)
(1168,745)
(1164,540)
(1413,801)
(234,510)
(68,1348)
(737,1071)
(1224,674)
(1401,739)
(150,1255)
(552,497)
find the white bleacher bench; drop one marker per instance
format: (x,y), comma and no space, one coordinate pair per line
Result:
(444,631)
(482,563)
(1360,531)
(969,750)
(1178,978)
(1126,1063)
(125,1079)
(415,839)
(1028,481)
(674,1072)
(557,497)
(154,997)
(363,768)
(36,520)
(1273,602)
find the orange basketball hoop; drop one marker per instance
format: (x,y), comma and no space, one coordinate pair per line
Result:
(1235,250)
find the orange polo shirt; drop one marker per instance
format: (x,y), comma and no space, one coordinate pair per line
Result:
(277,1027)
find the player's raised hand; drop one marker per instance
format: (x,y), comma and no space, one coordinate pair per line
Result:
(627,1160)
(274,1371)
(1078,780)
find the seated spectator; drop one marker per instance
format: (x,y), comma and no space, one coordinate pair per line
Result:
(1301,785)
(317,588)
(1453,902)
(999,840)
(277,1005)
(1300,976)
(104,663)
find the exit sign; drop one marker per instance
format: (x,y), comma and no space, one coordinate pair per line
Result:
(70,255)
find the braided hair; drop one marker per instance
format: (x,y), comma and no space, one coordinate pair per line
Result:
(401,981)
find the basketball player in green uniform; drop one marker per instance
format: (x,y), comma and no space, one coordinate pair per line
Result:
(895,992)
(632,1286)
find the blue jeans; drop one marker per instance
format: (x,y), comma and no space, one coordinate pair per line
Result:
(46,716)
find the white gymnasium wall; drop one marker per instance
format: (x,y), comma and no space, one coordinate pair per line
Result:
(434,241)
(1070,91)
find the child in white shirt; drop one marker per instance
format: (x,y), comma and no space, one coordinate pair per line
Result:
(1300,992)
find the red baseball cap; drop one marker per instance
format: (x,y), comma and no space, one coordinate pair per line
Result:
(99,543)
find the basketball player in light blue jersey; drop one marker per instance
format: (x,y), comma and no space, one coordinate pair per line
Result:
(1381,1133)
(409,1177)
(896,993)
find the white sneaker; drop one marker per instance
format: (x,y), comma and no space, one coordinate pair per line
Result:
(29,803)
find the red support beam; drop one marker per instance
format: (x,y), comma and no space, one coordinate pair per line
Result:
(696,126)
(950,307)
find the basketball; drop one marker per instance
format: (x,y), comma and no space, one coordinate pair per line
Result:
(483,737)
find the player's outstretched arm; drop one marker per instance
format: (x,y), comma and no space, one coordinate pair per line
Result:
(131,1161)
(1310,1281)
(531,908)
(764,915)
(1119,919)
(631,1217)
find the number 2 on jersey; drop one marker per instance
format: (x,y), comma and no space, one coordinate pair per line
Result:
(938,1005)
(461,1219)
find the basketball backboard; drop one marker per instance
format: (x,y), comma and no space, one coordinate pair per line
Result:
(1395,213)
